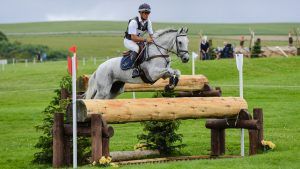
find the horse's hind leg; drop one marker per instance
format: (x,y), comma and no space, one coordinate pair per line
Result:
(116,89)
(103,91)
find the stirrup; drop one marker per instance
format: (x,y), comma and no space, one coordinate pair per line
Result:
(135,73)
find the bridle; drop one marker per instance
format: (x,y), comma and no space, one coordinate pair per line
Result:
(179,52)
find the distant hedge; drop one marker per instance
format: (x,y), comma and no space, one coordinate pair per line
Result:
(17,50)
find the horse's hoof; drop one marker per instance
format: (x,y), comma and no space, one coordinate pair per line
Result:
(169,88)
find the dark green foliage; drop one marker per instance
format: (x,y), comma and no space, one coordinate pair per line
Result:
(45,141)
(3,37)
(162,136)
(19,51)
(56,55)
(256,51)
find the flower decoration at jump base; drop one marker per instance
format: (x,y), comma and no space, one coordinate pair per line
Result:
(104,162)
(268,145)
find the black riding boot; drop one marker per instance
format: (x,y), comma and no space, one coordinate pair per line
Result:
(135,72)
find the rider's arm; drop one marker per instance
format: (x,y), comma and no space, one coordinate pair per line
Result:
(150,30)
(136,38)
(132,30)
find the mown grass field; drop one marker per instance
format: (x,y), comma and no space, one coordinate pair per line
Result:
(272,84)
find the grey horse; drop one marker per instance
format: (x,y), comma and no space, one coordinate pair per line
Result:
(108,80)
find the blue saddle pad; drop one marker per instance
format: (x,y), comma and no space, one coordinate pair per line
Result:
(126,62)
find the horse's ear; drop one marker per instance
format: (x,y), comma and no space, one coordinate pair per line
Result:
(186,30)
(180,31)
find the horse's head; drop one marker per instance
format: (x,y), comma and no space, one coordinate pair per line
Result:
(182,44)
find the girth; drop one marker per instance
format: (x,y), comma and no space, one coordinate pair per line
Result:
(143,73)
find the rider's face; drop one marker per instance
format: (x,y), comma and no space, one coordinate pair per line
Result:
(144,15)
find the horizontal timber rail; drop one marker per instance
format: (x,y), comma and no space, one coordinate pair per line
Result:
(186,83)
(160,109)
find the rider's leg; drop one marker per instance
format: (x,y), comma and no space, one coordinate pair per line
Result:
(129,44)
(135,71)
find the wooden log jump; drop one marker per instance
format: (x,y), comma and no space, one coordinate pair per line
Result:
(186,83)
(160,109)
(93,116)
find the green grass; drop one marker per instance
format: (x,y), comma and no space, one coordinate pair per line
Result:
(26,91)
(194,29)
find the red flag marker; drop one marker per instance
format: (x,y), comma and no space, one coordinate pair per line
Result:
(70,65)
(73,49)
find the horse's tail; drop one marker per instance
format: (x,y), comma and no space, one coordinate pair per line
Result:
(91,90)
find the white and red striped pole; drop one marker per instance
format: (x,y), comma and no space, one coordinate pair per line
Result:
(73,72)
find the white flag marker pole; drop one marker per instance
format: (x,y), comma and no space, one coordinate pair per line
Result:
(74,111)
(194,56)
(239,64)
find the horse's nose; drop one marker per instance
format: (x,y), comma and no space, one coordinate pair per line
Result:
(185,59)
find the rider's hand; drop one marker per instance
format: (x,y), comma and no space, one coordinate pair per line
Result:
(149,40)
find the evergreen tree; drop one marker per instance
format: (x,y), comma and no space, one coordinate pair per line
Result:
(3,37)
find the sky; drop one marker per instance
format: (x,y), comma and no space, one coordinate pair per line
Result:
(191,11)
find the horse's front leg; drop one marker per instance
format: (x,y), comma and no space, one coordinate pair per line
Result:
(173,75)
(173,80)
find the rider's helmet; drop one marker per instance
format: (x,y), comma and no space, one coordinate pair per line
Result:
(144,8)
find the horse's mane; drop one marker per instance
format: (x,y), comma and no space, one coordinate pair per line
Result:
(161,32)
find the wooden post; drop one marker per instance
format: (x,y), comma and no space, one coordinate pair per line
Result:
(67,150)
(96,134)
(58,140)
(222,141)
(258,115)
(253,137)
(64,94)
(215,142)
(105,146)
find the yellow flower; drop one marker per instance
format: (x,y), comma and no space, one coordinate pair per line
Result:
(114,165)
(140,146)
(94,163)
(109,159)
(268,143)
(102,160)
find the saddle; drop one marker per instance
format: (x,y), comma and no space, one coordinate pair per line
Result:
(127,61)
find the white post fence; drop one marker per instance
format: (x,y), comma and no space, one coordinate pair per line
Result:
(239,64)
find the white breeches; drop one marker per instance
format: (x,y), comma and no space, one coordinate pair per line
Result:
(129,44)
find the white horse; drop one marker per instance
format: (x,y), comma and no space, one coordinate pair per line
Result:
(108,80)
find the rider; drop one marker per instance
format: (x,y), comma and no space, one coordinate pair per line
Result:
(137,27)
